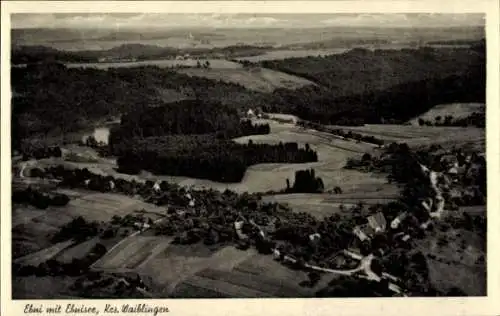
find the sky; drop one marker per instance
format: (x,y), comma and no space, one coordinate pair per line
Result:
(172,21)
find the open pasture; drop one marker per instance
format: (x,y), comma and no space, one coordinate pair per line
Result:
(162,63)
(103,206)
(326,204)
(132,253)
(457,110)
(77,251)
(32,228)
(43,255)
(254,276)
(182,266)
(271,286)
(293,53)
(259,79)
(415,135)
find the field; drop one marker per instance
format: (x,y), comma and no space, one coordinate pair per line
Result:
(321,205)
(162,63)
(292,53)
(333,153)
(259,79)
(258,276)
(420,135)
(167,264)
(41,256)
(132,253)
(33,228)
(457,110)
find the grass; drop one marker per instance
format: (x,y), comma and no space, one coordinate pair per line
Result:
(457,110)
(164,63)
(270,286)
(258,79)
(327,204)
(292,53)
(43,255)
(132,253)
(78,251)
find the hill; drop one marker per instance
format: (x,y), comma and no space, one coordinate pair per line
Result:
(457,110)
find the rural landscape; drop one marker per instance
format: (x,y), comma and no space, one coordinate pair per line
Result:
(248,156)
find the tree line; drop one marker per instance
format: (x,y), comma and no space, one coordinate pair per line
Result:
(186,117)
(217,160)
(476,119)
(305,182)
(39,199)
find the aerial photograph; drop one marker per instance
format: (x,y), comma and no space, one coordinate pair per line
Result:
(169,155)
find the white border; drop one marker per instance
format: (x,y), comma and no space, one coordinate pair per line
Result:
(354,306)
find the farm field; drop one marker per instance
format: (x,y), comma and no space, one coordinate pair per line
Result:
(162,63)
(182,266)
(41,256)
(292,53)
(325,204)
(418,135)
(77,251)
(33,228)
(457,110)
(259,79)
(132,253)
(256,276)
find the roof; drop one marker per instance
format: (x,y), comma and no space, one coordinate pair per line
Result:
(377,222)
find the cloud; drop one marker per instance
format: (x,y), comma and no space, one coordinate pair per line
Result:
(162,20)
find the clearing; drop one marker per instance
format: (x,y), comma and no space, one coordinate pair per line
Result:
(420,135)
(293,53)
(457,110)
(162,63)
(255,78)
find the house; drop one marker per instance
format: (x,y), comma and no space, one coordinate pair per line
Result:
(397,221)
(377,222)
(156,187)
(238,226)
(314,237)
(425,225)
(358,231)
(250,113)
(142,225)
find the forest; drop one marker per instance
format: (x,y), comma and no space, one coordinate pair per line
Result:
(393,87)
(204,157)
(186,117)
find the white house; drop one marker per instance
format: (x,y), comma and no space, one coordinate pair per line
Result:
(156,187)
(360,234)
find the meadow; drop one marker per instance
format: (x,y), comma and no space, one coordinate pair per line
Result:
(258,79)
